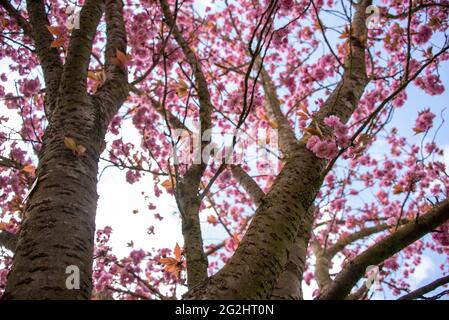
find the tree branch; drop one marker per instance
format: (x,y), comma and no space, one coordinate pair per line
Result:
(17,15)
(115,89)
(287,137)
(284,211)
(187,188)
(8,240)
(390,245)
(255,192)
(419,293)
(346,95)
(74,77)
(49,58)
(322,265)
(289,282)
(343,242)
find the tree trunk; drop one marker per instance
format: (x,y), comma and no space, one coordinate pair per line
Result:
(255,267)
(59,224)
(253,271)
(289,284)
(196,260)
(54,253)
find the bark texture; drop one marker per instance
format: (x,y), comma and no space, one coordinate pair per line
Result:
(187,191)
(288,285)
(253,271)
(385,248)
(419,293)
(59,224)
(8,240)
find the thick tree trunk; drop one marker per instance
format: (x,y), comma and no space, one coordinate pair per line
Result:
(54,254)
(59,224)
(57,232)
(253,271)
(289,284)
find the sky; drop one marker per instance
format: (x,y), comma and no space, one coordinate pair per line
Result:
(122,206)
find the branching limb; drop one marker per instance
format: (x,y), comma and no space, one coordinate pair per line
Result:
(322,265)
(248,183)
(287,138)
(390,245)
(49,57)
(187,189)
(17,15)
(343,242)
(289,282)
(115,89)
(419,293)
(74,77)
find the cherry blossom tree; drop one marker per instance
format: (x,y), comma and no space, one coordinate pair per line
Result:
(317,182)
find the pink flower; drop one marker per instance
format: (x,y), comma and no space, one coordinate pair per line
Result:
(137,256)
(313,140)
(330,178)
(340,130)
(424,121)
(332,121)
(286,5)
(319,74)
(431,85)
(308,276)
(132,176)
(30,87)
(103,280)
(423,35)
(322,149)
(115,125)
(280,37)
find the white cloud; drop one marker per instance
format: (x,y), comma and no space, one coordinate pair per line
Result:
(116,203)
(422,271)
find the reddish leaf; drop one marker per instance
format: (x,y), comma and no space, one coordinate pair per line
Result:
(167,184)
(70,143)
(56,31)
(57,43)
(121,59)
(168,261)
(178,252)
